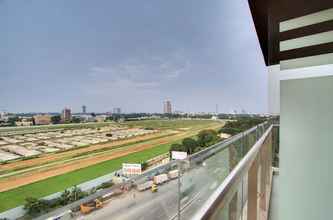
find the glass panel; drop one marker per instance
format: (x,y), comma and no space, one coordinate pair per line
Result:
(202,179)
(231,208)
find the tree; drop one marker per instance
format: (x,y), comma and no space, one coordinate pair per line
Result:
(176,147)
(64,198)
(207,137)
(56,119)
(12,120)
(35,206)
(241,124)
(76,120)
(72,195)
(190,145)
(144,165)
(231,131)
(76,194)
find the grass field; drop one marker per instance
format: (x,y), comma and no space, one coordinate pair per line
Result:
(51,185)
(168,124)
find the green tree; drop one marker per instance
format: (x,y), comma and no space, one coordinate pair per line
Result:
(207,137)
(176,147)
(190,145)
(12,120)
(76,194)
(56,119)
(64,198)
(35,206)
(144,165)
(76,120)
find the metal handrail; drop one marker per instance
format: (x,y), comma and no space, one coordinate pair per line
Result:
(233,178)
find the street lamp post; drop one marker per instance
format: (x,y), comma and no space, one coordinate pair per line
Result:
(178,155)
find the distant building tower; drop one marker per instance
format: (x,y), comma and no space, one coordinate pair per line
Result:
(116,110)
(66,115)
(167,109)
(84,109)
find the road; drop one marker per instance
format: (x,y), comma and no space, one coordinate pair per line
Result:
(197,185)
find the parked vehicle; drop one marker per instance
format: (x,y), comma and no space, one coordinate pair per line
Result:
(173,174)
(114,192)
(159,179)
(145,186)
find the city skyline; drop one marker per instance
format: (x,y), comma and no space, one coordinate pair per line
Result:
(55,56)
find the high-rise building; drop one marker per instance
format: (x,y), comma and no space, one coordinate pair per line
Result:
(84,109)
(66,115)
(116,110)
(167,108)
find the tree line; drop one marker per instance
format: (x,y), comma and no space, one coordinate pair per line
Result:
(203,139)
(242,124)
(35,207)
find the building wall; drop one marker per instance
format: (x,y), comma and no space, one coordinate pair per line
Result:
(296,39)
(305,181)
(42,119)
(304,79)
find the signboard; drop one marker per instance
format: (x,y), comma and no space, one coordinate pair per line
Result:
(131,169)
(178,155)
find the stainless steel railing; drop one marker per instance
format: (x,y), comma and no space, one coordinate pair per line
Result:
(245,192)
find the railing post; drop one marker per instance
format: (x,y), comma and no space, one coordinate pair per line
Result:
(263,175)
(232,163)
(252,191)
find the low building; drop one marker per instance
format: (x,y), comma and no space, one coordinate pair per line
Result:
(23,123)
(42,119)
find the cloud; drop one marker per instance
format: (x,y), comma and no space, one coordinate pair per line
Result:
(176,73)
(128,84)
(141,72)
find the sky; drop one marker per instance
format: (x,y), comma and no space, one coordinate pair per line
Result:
(130,54)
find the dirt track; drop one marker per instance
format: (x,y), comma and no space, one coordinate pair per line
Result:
(34,176)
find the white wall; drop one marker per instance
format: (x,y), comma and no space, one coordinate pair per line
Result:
(306,149)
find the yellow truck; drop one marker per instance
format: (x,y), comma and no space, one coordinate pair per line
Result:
(88,207)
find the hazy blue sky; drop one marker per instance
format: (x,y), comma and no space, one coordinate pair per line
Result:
(131,54)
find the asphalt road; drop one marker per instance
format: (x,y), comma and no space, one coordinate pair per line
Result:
(197,185)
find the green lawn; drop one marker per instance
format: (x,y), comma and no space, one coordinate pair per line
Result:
(169,124)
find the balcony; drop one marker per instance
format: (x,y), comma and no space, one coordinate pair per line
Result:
(245,194)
